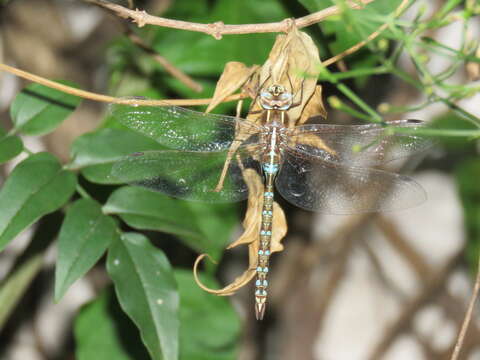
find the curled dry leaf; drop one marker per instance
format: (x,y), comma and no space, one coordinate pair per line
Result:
(311,140)
(294,63)
(313,107)
(251,234)
(233,77)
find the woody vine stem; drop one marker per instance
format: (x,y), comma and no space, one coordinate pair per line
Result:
(217,30)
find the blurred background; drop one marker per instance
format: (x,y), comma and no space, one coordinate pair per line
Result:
(370,286)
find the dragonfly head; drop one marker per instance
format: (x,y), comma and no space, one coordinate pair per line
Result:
(275,97)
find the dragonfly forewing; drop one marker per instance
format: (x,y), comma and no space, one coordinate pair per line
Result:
(359,145)
(183,129)
(328,187)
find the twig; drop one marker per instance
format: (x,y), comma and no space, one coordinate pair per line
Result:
(395,239)
(218,29)
(110,99)
(433,284)
(169,67)
(364,42)
(468,316)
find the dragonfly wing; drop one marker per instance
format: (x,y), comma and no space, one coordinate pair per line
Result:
(183,129)
(359,145)
(187,175)
(317,185)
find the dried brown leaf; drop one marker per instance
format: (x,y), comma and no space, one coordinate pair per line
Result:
(292,57)
(313,107)
(234,75)
(311,140)
(251,235)
(228,290)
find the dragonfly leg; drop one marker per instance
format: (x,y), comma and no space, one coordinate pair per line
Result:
(231,151)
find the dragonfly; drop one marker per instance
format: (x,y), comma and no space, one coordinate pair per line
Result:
(318,167)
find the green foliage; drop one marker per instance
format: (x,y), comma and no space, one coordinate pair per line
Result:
(203,227)
(114,336)
(38,110)
(467,174)
(36,187)
(156,310)
(197,58)
(85,235)
(147,292)
(15,286)
(351,27)
(10,146)
(208,325)
(95,153)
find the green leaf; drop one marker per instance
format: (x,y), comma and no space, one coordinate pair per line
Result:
(37,186)
(210,327)
(14,287)
(353,26)
(103,332)
(203,227)
(467,175)
(147,292)
(447,8)
(96,152)
(450,120)
(206,55)
(38,109)
(85,235)
(10,146)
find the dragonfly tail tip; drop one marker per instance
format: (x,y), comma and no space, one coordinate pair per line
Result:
(259,310)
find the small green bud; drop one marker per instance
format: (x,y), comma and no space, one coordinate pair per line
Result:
(335,102)
(422,9)
(383,44)
(423,58)
(383,108)
(356,148)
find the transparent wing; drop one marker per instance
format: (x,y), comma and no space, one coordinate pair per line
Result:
(187,175)
(359,145)
(183,129)
(317,185)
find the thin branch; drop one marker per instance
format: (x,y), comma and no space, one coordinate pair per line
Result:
(434,283)
(364,42)
(169,67)
(110,99)
(218,29)
(468,316)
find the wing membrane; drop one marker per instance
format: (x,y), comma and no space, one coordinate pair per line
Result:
(183,129)
(191,175)
(358,145)
(317,185)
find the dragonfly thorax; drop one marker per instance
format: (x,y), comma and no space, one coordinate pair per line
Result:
(275,97)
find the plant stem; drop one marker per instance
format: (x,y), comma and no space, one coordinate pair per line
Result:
(83,193)
(360,103)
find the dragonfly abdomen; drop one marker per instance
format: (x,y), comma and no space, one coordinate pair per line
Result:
(261,283)
(270,170)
